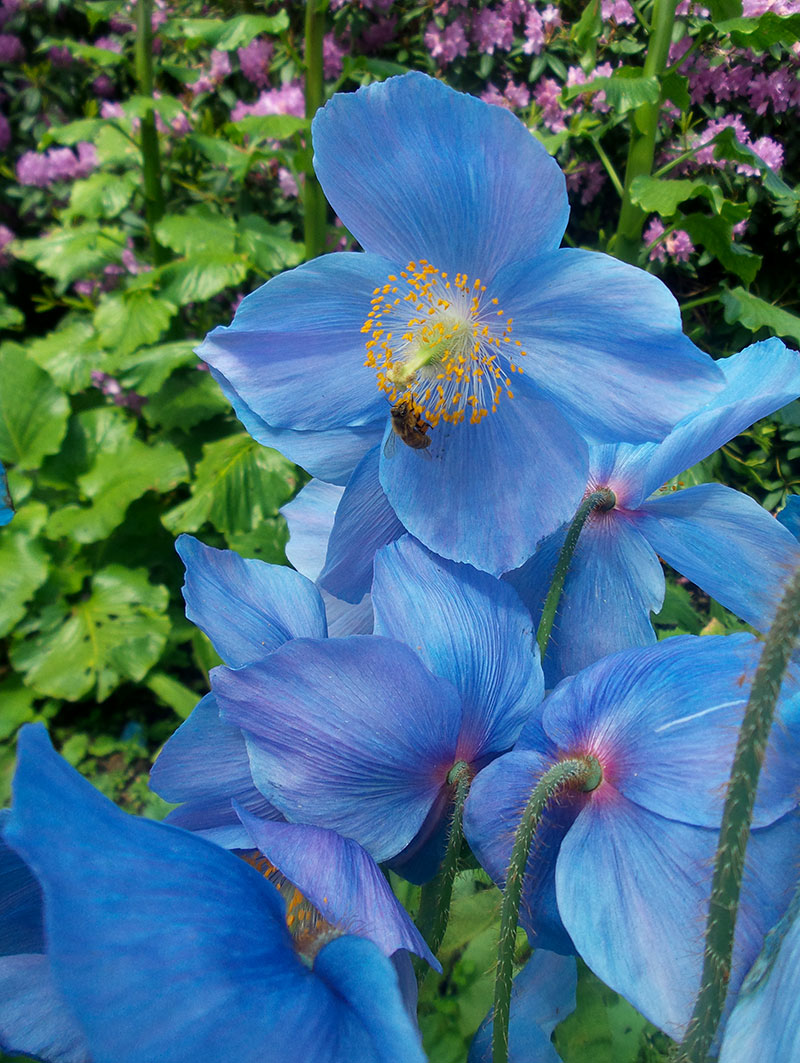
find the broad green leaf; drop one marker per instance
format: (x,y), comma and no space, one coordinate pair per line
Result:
(201,275)
(716,235)
(761,33)
(625,90)
(270,126)
(33,411)
(101,195)
(238,483)
(166,106)
(88,52)
(10,317)
(24,563)
(17,703)
(728,147)
(675,87)
(101,10)
(68,254)
(116,478)
(678,612)
(72,132)
(587,30)
(118,632)
(89,433)
(230,34)
(132,318)
(173,693)
(724,9)
(220,152)
(145,369)
(664,196)
(270,247)
(754,313)
(267,542)
(70,353)
(185,400)
(117,148)
(195,230)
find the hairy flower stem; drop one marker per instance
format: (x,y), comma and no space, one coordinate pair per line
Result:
(577,773)
(151,159)
(604,499)
(434,907)
(644,124)
(315,209)
(735,830)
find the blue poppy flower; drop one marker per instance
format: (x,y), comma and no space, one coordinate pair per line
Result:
(789,516)
(463,329)
(165,946)
(622,875)
(719,538)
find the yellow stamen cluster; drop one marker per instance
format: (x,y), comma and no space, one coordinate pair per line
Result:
(440,345)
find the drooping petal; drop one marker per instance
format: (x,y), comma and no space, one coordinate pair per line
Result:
(21,927)
(789,516)
(467,498)
(247,607)
(416,170)
(603,341)
(350,734)
(663,722)
(341,880)
(727,544)
(364,523)
(542,995)
(758,381)
(34,1020)
(310,518)
(202,767)
(468,627)
(167,947)
(613,584)
(295,351)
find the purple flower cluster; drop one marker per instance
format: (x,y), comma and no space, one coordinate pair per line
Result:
(675,245)
(254,61)
(57,164)
(12,49)
(111,387)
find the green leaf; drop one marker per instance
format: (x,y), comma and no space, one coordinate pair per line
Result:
(604,1028)
(664,196)
(678,611)
(724,9)
(754,313)
(87,52)
(167,107)
(625,90)
(18,708)
(267,542)
(115,148)
(33,411)
(587,30)
(118,632)
(102,195)
(117,477)
(230,34)
(716,235)
(729,148)
(270,247)
(132,318)
(70,253)
(270,126)
(145,369)
(761,33)
(675,87)
(185,400)
(24,563)
(173,693)
(238,483)
(201,275)
(220,152)
(72,132)
(196,230)
(10,317)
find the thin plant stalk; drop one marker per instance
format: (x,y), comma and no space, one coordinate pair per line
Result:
(154,204)
(315,209)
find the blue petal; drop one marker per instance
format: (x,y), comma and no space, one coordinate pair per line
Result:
(416,170)
(727,544)
(604,342)
(21,927)
(364,523)
(6,508)
(468,627)
(613,583)
(347,619)
(789,516)
(34,1019)
(542,995)
(663,722)
(310,519)
(203,766)
(295,351)
(758,381)
(247,607)
(351,734)
(341,880)
(167,947)
(471,502)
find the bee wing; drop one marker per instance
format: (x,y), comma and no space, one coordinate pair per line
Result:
(390,446)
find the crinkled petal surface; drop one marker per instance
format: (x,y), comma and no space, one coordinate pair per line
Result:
(364,523)
(416,170)
(310,517)
(604,341)
(167,947)
(487,493)
(247,607)
(663,722)
(34,1020)
(468,627)
(295,351)
(342,881)
(727,544)
(350,734)
(202,767)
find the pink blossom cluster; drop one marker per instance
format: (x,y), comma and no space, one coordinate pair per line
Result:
(736,75)
(675,245)
(765,147)
(218,70)
(539,28)
(332,56)
(180,125)
(619,10)
(576,76)
(5,132)
(547,96)
(12,49)
(586,180)
(491,29)
(58,164)
(6,236)
(254,61)
(111,387)
(8,8)
(514,97)
(288,99)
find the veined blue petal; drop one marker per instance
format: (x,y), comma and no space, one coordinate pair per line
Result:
(471,501)
(789,516)
(21,927)
(247,607)
(416,170)
(203,766)
(347,619)
(34,1020)
(295,351)
(364,523)
(147,921)
(341,880)
(727,544)
(604,341)
(350,734)
(758,381)
(310,518)
(6,508)
(468,627)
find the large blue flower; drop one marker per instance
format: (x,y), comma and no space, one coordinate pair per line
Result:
(496,350)
(163,946)
(720,538)
(622,875)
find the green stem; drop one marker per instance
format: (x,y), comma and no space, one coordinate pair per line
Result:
(608,165)
(577,773)
(642,146)
(151,160)
(313,199)
(735,830)
(604,499)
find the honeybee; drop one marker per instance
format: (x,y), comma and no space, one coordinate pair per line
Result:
(408,426)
